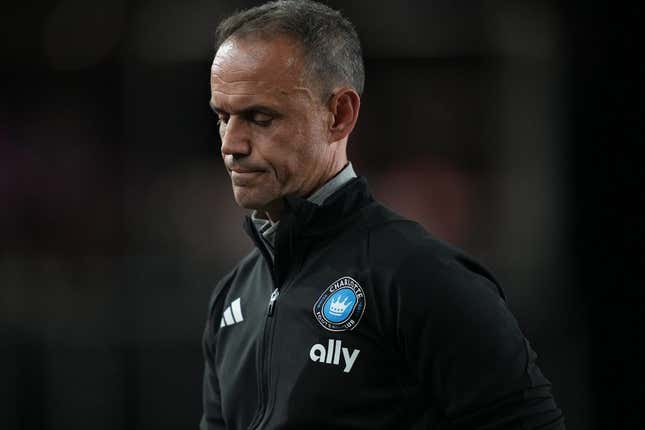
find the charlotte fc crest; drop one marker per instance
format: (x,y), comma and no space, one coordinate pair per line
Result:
(341,306)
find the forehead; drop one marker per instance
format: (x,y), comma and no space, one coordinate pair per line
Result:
(253,66)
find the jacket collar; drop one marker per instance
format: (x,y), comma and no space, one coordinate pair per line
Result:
(310,219)
(268,229)
(304,223)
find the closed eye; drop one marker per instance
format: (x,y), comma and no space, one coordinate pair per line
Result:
(262,119)
(257,115)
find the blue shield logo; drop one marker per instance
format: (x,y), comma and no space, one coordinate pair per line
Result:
(341,306)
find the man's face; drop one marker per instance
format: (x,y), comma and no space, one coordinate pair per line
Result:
(272,124)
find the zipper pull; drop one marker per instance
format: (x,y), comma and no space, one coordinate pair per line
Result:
(274,297)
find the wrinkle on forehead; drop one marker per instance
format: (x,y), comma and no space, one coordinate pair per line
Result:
(304,91)
(241,75)
(249,87)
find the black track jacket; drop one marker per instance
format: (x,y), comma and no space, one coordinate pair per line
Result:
(365,321)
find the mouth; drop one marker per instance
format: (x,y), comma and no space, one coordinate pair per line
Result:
(242,170)
(242,177)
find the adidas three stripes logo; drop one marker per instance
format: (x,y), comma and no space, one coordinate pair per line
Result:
(232,314)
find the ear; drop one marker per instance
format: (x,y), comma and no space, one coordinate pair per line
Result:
(344,105)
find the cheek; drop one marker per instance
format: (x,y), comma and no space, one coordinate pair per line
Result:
(290,151)
(302,160)
(276,148)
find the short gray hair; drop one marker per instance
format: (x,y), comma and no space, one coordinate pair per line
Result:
(330,45)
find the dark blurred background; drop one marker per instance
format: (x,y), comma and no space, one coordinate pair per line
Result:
(506,127)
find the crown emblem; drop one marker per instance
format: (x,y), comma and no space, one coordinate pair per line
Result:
(339,304)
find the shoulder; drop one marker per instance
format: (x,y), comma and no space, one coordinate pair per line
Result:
(436,291)
(413,256)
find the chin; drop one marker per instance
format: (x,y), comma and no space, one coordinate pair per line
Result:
(248,200)
(248,204)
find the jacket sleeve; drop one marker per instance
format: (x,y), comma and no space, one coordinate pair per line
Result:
(465,349)
(212,418)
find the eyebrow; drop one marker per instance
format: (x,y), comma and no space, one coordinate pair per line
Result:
(246,110)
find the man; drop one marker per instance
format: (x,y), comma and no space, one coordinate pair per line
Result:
(345,314)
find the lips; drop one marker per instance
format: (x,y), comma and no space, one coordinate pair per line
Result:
(240,170)
(241,177)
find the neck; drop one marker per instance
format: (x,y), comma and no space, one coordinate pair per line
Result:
(274,210)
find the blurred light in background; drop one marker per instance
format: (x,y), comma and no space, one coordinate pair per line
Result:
(433,192)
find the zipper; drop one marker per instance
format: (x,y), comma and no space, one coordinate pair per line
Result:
(264,376)
(269,327)
(265,353)
(272,300)
(267,332)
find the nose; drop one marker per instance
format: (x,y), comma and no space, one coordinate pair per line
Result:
(235,137)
